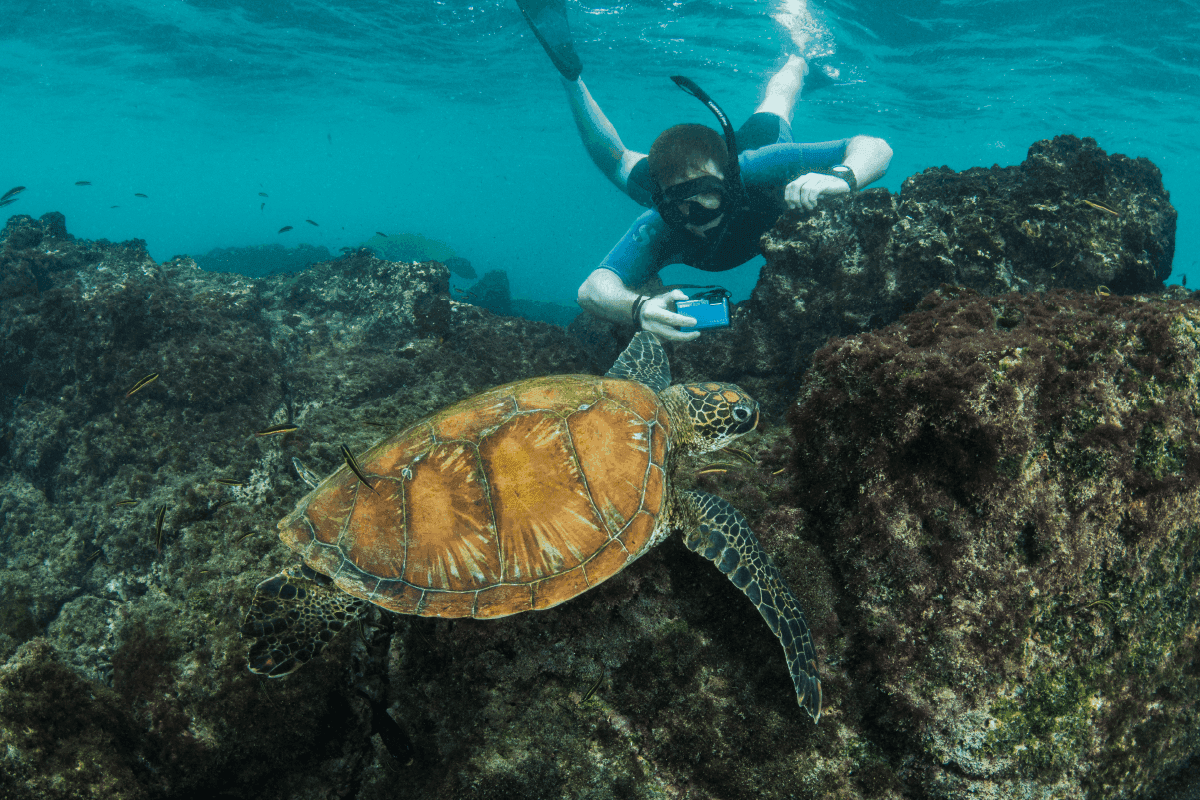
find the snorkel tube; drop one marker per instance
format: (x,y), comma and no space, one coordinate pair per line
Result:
(733,170)
(733,198)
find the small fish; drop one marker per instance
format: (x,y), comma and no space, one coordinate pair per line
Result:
(9,201)
(592,690)
(310,222)
(243,536)
(1183,281)
(263,686)
(306,474)
(221,505)
(13,191)
(263,194)
(1103,291)
(712,471)
(93,556)
(139,194)
(285,229)
(230,482)
(381,233)
(283,427)
(83,183)
(465,293)
(114,206)
(1102,207)
(262,206)
(738,452)
(353,465)
(158,525)
(142,384)
(129,502)
(779,471)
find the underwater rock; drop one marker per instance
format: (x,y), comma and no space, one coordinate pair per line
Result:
(492,292)
(122,673)
(410,247)
(261,260)
(1006,492)
(541,311)
(460,267)
(857,263)
(349,351)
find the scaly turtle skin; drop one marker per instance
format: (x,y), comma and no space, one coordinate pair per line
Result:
(517,499)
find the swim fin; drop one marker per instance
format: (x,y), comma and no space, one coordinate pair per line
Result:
(820,75)
(548,19)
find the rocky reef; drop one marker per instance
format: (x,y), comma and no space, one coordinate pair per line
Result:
(1068,217)
(1007,491)
(262,260)
(125,674)
(988,510)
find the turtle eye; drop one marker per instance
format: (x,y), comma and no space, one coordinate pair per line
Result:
(741,414)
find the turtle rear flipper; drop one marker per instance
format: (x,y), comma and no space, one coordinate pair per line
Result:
(722,535)
(292,617)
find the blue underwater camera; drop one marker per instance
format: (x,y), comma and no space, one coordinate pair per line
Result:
(710,309)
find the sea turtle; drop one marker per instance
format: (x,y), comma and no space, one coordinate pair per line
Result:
(521,498)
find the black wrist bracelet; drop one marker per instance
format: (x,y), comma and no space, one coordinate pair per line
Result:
(637,306)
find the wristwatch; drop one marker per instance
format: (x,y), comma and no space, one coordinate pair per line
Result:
(845,173)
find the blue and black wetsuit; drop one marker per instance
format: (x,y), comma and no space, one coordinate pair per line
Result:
(769,162)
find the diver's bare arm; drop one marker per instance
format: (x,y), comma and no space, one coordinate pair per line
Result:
(605,295)
(600,138)
(869,157)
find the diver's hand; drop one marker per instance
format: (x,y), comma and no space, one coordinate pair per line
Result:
(658,316)
(807,189)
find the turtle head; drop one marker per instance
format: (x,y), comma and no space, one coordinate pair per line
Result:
(708,416)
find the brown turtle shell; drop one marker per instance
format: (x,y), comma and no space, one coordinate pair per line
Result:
(515,499)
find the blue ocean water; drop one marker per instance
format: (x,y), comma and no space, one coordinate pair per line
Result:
(446,119)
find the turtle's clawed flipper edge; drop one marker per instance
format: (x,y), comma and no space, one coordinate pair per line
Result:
(292,617)
(644,361)
(722,535)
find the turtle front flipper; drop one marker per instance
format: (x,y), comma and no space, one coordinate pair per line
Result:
(722,535)
(644,361)
(292,617)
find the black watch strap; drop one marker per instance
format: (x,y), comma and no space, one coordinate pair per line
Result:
(843,172)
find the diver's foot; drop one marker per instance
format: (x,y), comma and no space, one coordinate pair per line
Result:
(794,17)
(548,21)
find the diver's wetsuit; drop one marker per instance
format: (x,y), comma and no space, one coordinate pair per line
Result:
(650,244)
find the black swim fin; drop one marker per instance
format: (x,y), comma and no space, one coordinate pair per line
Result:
(548,19)
(820,75)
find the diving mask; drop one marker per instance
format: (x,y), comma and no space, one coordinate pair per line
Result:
(669,200)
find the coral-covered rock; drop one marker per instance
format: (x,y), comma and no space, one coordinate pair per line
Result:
(122,673)
(1070,216)
(1008,489)
(122,641)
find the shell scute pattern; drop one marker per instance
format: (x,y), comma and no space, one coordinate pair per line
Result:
(521,497)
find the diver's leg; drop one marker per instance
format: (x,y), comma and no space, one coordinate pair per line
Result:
(783,90)
(600,138)
(548,21)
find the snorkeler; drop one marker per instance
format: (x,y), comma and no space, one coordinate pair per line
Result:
(708,205)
